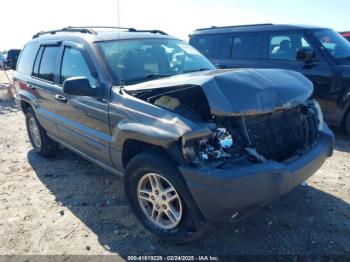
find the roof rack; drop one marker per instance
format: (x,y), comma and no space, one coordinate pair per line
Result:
(232,26)
(89,30)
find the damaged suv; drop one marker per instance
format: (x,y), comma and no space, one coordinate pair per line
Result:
(193,143)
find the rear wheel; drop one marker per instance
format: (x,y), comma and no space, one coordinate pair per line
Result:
(41,143)
(160,199)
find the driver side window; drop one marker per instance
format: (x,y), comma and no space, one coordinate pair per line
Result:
(74,64)
(286,46)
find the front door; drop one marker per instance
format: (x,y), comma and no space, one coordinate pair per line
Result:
(83,121)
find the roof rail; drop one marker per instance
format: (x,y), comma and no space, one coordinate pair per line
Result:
(153,31)
(130,29)
(232,26)
(89,30)
(101,27)
(66,29)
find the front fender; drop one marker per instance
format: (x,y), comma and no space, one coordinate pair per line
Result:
(144,133)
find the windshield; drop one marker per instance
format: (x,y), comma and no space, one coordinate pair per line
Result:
(336,45)
(138,60)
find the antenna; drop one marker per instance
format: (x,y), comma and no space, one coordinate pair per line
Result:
(119,72)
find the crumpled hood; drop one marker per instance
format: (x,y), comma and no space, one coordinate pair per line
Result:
(241,91)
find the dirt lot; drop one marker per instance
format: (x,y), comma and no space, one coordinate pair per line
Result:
(66,205)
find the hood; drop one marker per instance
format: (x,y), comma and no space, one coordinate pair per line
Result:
(241,91)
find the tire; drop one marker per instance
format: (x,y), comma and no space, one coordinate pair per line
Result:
(41,143)
(347,123)
(190,224)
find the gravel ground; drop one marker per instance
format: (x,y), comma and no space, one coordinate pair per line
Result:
(67,205)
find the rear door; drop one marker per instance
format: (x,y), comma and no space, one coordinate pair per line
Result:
(35,81)
(83,121)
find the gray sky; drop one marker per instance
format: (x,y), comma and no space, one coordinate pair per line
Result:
(22,19)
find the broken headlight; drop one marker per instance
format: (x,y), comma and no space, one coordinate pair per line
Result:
(319,114)
(221,144)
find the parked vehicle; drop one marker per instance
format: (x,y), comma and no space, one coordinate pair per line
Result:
(346,35)
(2,61)
(12,57)
(320,54)
(194,144)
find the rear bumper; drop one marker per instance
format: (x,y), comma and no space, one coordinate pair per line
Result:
(220,193)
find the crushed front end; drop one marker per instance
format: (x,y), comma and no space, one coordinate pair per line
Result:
(261,135)
(280,135)
(248,161)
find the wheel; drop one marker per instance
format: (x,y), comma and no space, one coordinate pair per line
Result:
(41,143)
(347,123)
(160,199)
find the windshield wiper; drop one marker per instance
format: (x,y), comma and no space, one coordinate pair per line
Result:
(153,76)
(145,78)
(197,70)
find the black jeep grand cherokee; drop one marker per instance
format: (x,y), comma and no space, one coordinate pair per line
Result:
(193,143)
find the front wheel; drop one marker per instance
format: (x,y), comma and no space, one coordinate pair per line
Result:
(160,199)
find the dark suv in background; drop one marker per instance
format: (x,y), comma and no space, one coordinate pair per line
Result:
(346,35)
(193,143)
(12,57)
(321,54)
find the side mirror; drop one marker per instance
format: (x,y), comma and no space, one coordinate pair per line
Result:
(80,86)
(306,55)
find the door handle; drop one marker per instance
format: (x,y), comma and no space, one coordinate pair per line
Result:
(60,98)
(30,86)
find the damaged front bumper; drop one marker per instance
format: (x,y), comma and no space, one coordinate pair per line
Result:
(222,192)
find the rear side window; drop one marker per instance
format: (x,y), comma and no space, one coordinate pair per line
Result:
(74,64)
(247,46)
(26,62)
(48,62)
(213,46)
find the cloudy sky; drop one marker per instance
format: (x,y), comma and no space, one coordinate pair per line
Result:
(22,19)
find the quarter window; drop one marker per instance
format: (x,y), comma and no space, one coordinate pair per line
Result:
(286,46)
(26,61)
(48,62)
(74,64)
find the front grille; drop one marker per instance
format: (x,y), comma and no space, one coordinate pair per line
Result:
(284,133)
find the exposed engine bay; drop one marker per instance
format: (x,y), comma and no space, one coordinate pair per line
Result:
(278,135)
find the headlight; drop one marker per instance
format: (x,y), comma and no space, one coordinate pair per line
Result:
(319,115)
(221,144)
